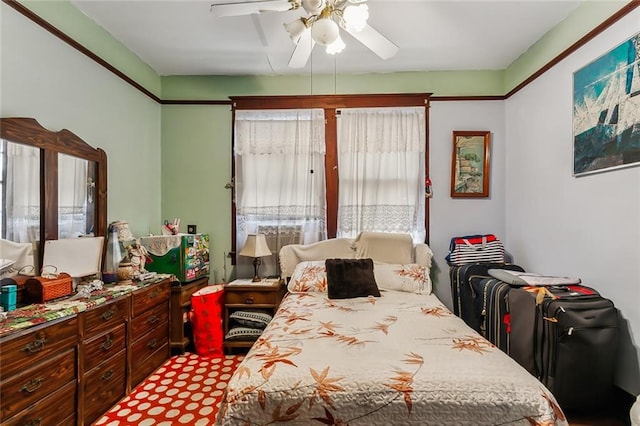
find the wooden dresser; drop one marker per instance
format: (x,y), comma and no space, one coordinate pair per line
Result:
(38,375)
(103,349)
(149,332)
(70,371)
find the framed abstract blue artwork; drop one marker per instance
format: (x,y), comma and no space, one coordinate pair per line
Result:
(606,111)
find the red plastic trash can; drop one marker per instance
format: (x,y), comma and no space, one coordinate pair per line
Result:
(206,320)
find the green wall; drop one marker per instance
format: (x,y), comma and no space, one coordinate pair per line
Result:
(71,21)
(196,153)
(441,83)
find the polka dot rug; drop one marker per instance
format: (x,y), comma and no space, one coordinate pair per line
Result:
(186,390)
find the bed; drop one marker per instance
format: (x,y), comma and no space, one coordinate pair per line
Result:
(399,359)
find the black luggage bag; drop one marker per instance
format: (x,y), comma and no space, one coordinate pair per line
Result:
(467,302)
(568,341)
(492,310)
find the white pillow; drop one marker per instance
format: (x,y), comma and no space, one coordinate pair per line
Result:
(384,247)
(409,277)
(309,276)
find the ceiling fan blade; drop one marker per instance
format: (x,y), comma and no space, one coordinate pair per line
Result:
(302,51)
(249,7)
(379,44)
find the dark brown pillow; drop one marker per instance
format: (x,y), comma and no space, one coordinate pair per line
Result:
(348,278)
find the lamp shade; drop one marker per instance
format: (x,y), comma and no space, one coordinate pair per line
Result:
(296,28)
(255,246)
(356,17)
(336,47)
(313,7)
(324,31)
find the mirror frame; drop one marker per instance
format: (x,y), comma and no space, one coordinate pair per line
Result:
(28,131)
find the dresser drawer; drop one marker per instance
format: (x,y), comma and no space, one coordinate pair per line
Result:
(36,383)
(146,366)
(147,321)
(104,346)
(232,297)
(105,316)
(104,386)
(150,342)
(58,408)
(37,345)
(150,296)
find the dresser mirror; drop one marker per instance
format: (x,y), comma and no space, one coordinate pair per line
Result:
(76,196)
(53,184)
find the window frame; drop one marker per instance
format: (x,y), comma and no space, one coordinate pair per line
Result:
(330,104)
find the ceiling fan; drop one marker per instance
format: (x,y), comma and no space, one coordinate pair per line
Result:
(321,25)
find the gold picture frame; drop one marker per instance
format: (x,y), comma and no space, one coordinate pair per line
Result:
(470,164)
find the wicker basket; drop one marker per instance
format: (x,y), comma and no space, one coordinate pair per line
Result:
(40,289)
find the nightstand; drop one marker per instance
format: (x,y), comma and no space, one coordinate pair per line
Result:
(245,295)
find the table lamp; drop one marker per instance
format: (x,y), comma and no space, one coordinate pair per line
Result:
(256,247)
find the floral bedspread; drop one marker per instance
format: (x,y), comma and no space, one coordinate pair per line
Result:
(401,359)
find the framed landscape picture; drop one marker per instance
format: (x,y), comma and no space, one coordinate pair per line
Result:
(470,164)
(606,111)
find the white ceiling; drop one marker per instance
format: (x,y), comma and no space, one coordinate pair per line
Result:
(177,37)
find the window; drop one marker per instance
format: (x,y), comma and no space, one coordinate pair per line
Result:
(381,171)
(347,175)
(279,177)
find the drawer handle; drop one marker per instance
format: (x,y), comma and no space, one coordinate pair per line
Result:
(32,385)
(106,376)
(108,315)
(153,294)
(34,422)
(152,319)
(107,343)
(152,344)
(35,346)
(249,300)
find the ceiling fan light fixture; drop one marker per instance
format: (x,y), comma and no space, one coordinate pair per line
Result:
(325,31)
(336,47)
(356,16)
(296,28)
(313,7)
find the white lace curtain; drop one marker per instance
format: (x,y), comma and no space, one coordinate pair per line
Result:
(280,180)
(72,196)
(23,210)
(381,160)
(22,207)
